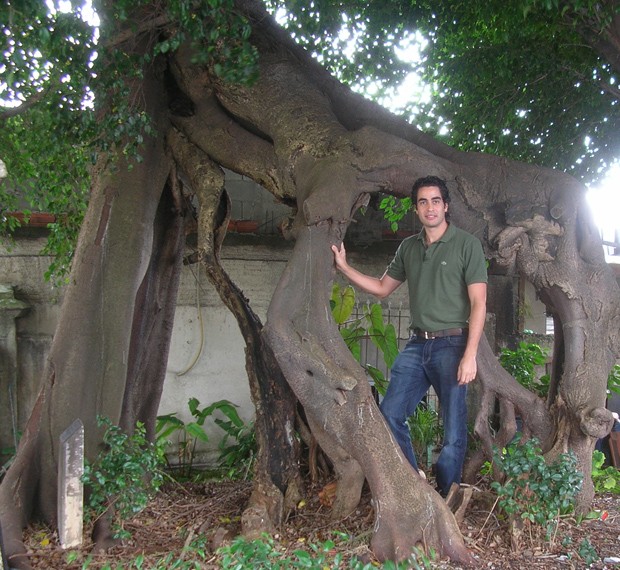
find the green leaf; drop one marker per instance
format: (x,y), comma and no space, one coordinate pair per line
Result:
(193,404)
(378,378)
(352,340)
(196,431)
(343,301)
(224,406)
(375,316)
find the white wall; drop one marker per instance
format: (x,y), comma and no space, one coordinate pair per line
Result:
(207,358)
(210,365)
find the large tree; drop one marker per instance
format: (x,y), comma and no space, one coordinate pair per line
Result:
(312,143)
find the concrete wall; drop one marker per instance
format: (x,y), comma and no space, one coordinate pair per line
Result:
(207,359)
(21,272)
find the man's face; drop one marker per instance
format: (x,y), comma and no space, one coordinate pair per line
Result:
(431,207)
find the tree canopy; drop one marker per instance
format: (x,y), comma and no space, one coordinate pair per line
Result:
(55,61)
(533,80)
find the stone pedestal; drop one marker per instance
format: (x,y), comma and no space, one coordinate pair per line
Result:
(70,486)
(10,309)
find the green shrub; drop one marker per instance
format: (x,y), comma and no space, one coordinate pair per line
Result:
(125,474)
(605,479)
(587,552)
(263,554)
(237,459)
(613,380)
(534,490)
(370,325)
(521,363)
(425,430)
(187,435)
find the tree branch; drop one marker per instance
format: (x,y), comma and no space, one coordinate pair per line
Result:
(146,26)
(27,104)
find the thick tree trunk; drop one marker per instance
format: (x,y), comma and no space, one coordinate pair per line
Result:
(85,378)
(560,252)
(277,481)
(154,316)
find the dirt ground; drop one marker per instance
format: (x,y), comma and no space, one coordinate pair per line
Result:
(183,511)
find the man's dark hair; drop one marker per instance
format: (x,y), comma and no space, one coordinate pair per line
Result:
(430,181)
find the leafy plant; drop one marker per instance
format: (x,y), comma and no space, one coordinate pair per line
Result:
(190,433)
(522,362)
(613,380)
(534,490)
(587,552)
(124,476)
(263,553)
(605,479)
(370,325)
(395,209)
(425,429)
(237,458)
(187,434)
(57,68)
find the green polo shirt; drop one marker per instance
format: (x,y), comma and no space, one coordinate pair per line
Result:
(438,276)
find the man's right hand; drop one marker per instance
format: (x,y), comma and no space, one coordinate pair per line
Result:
(340,256)
(378,287)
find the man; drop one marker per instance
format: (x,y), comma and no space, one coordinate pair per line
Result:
(445,270)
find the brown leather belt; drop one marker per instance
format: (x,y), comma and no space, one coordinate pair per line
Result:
(437,334)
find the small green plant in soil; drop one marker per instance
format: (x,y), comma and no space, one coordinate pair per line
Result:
(606,479)
(587,552)
(238,457)
(533,490)
(264,554)
(235,458)
(425,430)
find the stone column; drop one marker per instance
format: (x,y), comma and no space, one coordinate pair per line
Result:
(10,309)
(70,486)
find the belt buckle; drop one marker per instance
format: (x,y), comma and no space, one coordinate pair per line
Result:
(427,335)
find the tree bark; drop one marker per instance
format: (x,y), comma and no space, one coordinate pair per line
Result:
(277,481)
(154,316)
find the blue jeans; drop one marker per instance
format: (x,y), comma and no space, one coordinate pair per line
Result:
(425,363)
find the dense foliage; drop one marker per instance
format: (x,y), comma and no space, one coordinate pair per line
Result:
(47,66)
(524,79)
(64,101)
(515,79)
